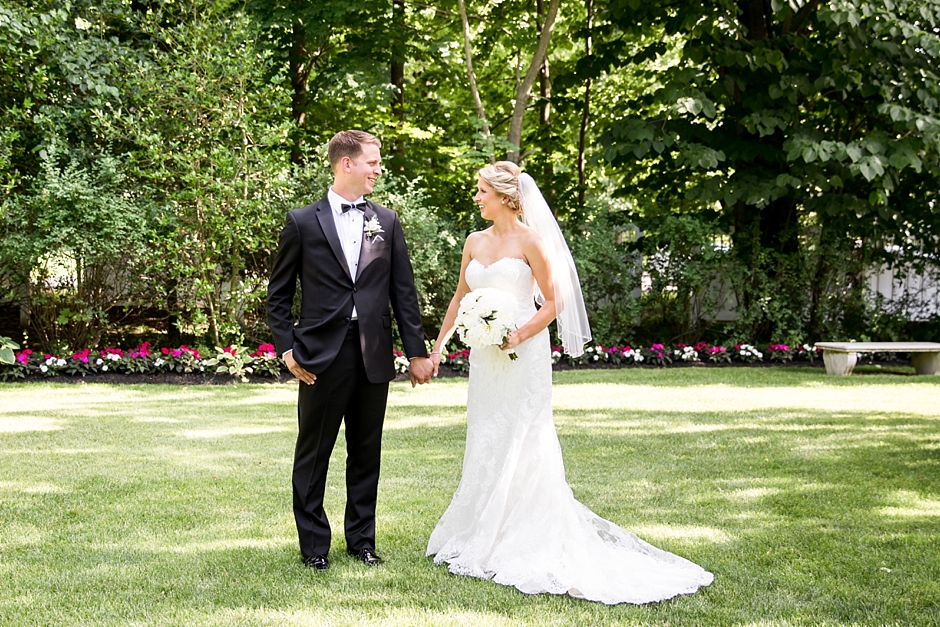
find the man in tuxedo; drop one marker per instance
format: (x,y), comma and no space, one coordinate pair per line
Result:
(352,262)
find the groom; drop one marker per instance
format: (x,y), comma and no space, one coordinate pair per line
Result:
(352,262)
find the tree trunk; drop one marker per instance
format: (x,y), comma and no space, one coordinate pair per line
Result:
(545,122)
(525,87)
(473,79)
(586,111)
(299,72)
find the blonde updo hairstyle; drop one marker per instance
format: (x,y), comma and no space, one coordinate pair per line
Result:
(503,177)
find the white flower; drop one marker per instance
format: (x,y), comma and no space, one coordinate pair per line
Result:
(81,24)
(402,364)
(44,368)
(372,227)
(688,354)
(113,356)
(98,362)
(104,367)
(159,362)
(60,362)
(484,317)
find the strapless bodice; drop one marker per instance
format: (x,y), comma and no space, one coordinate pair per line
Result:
(508,274)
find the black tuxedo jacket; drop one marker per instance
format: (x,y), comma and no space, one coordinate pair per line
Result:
(309,248)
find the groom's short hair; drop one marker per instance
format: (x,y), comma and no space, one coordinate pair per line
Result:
(348,144)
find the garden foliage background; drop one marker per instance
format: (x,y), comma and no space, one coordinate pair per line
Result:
(749,155)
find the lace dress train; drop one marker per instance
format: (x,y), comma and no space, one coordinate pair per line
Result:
(513,518)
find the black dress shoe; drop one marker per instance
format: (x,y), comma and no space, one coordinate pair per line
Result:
(366,556)
(317,561)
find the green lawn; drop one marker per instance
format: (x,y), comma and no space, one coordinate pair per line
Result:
(813,500)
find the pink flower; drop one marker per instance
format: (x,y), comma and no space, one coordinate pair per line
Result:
(81,356)
(165,350)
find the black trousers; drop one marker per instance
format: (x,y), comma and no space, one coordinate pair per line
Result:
(341,393)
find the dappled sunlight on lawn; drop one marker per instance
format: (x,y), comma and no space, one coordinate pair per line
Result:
(38,487)
(415,417)
(220,433)
(16,424)
(909,504)
(19,535)
(692,534)
(869,398)
(382,612)
(209,546)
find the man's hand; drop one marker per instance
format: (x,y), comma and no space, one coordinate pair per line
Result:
(307,377)
(420,369)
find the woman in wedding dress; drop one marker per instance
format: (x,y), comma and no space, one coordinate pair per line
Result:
(513,518)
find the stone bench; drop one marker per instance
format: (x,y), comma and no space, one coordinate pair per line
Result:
(840,357)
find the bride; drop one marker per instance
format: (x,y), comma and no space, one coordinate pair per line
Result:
(513,518)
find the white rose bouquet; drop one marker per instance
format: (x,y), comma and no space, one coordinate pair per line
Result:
(485,318)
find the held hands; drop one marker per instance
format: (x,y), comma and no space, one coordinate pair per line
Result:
(307,377)
(420,370)
(436,362)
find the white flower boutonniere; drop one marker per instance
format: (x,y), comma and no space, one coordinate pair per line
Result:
(372,227)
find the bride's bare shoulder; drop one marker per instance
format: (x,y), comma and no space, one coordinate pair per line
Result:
(529,236)
(474,241)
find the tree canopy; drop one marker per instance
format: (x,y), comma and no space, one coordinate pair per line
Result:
(749,155)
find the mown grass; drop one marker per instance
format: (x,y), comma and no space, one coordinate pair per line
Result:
(813,500)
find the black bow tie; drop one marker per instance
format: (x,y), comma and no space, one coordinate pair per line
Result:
(361,206)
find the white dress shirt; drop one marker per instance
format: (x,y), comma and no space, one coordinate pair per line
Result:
(349,229)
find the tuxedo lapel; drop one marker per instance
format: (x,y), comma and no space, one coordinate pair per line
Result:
(368,243)
(328,224)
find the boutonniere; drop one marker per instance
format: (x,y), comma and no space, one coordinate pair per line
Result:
(372,227)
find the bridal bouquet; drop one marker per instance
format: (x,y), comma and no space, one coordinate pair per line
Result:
(485,318)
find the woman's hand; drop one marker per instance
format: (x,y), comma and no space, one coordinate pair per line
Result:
(513,340)
(435,362)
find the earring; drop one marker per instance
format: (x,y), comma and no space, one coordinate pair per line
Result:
(504,201)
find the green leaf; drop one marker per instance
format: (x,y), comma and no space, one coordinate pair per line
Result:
(7,356)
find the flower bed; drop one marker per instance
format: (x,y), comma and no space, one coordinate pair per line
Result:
(169,364)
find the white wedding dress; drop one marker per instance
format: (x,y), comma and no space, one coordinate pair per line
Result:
(513,518)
